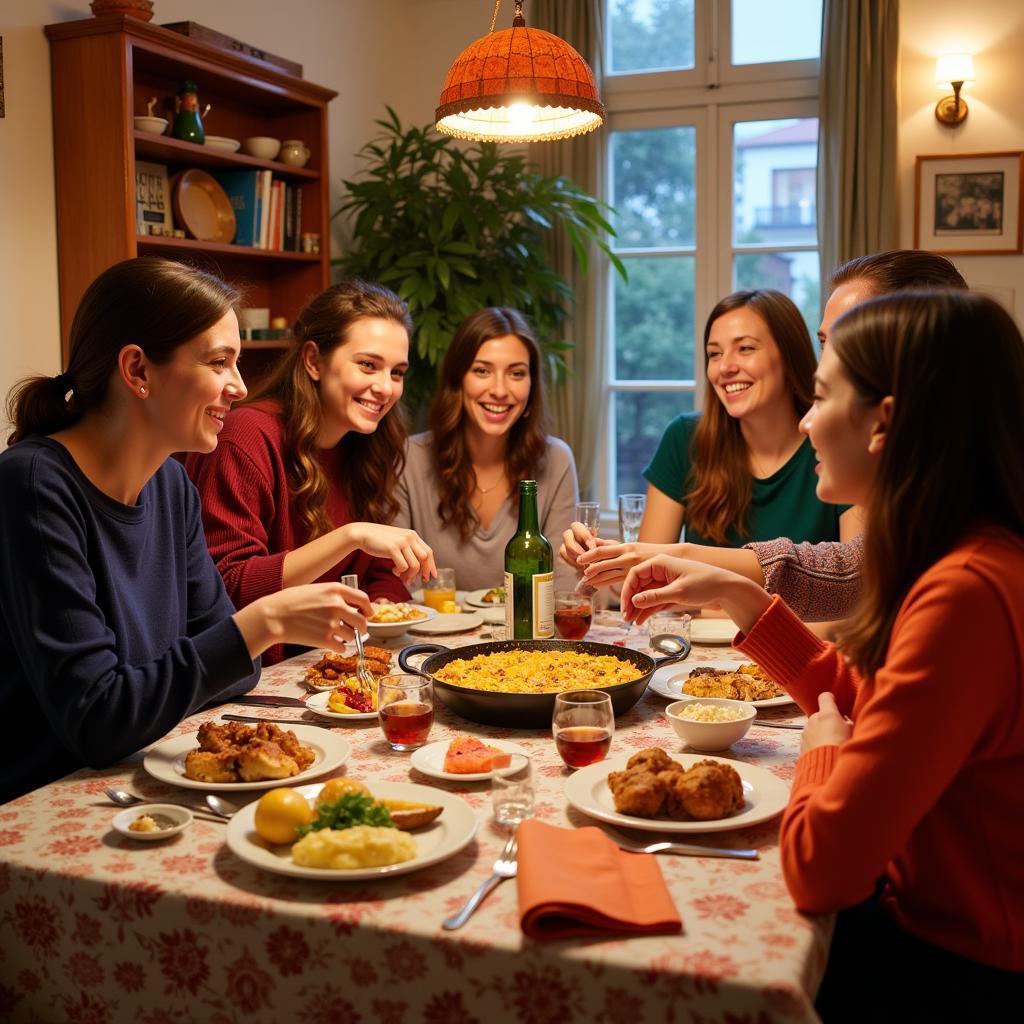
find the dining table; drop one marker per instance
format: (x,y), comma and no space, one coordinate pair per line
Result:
(99,928)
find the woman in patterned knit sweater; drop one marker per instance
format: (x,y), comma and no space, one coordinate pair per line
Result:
(820,582)
(913,753)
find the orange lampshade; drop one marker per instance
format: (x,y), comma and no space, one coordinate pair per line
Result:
(519,85)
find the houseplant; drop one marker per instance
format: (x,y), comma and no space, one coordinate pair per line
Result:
(453,228)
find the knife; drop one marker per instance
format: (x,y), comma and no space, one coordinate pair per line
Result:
(268,700)
(278,721)
(778,725)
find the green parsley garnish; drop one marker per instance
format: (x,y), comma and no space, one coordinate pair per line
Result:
(352,809)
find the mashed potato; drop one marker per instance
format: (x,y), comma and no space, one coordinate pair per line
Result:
(362,846)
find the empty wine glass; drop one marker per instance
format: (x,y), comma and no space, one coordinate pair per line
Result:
(512,791)
(589,514)
(631,514)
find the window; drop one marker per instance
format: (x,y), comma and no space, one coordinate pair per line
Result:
(711,167)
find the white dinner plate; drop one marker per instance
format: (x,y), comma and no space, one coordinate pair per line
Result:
(459,622)
(492,616)
(443,838)
(476,599)
(317,703)
(668,681)
(386,630)
(430,760)
(166,761)
(712,631)
(764,797)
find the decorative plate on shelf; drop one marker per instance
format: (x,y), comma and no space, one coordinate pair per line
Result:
(202,207)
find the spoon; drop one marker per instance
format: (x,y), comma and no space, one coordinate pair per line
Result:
(126,799)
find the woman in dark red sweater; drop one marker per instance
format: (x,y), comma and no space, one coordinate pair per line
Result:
(306,469)
(913,754)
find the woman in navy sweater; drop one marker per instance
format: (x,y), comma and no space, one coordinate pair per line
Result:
(114,623)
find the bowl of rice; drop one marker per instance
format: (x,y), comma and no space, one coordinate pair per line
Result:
(393,618)
(710,723)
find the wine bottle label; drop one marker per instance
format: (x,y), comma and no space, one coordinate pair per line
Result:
(542,606)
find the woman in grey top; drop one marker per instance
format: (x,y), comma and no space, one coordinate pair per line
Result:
(488,431)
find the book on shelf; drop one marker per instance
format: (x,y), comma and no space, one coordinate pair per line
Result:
(152,198)
(276,215)
(264,235)
(289,218)
(240,187)
(298,218)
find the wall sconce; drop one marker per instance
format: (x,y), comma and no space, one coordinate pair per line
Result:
(957,70)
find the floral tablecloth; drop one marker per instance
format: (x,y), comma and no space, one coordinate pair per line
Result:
(98,928)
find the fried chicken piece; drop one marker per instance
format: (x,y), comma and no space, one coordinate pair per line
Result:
(214,738)
(265,760)
(637,792)
(208,766)
(652,759)
(289,743)
(706,791)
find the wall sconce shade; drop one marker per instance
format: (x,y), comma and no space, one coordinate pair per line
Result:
(519,85)
(957,70)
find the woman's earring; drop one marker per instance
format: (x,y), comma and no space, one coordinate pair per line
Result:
(142,389)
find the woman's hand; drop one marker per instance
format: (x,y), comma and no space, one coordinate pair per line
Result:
(827,727)
(575,541)
(607,564)
(411,556)
(667,582)
(313,615)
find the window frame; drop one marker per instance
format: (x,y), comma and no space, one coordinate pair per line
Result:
(712,97)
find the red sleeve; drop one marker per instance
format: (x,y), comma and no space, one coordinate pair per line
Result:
(238,501)
(854,807)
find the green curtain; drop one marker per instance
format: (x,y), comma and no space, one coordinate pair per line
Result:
(857,180)
(579,415)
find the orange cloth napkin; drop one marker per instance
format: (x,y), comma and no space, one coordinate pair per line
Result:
(578,882)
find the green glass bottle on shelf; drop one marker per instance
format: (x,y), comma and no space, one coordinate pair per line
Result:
(529,579)
(188,122)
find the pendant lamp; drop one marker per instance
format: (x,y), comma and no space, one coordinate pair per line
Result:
(519,85)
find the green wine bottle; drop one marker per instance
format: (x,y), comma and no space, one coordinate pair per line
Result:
(529,580)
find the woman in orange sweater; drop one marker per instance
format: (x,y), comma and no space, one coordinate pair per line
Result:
(913,755)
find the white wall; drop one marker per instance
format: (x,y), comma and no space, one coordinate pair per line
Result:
(993,31)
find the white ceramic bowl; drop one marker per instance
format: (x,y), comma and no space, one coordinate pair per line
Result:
(261,146)
(156,125)
(222,142)
(387,630)
(181,816)
(710,735)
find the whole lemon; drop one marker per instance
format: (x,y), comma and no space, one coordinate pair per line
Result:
(279,813)
(335,789)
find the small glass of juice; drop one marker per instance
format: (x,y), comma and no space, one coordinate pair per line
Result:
(573,614)
(437,592)
(405,705)
(582,724)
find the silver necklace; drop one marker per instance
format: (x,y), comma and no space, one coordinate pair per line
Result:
(487,490)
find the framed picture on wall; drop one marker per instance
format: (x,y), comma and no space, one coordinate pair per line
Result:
(969,204)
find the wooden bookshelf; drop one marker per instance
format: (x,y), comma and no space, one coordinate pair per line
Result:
(103,70)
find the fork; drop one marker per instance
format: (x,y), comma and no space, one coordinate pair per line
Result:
(504,867)
(366,683)
(682,849)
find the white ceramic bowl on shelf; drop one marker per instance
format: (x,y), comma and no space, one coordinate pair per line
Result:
(222,142)
(710,735)
(261,146)
(155,125)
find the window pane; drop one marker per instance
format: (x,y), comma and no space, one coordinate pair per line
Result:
(774,182)
(795,273)
(654,319)
(782,30)
(640,420)
(650,35)
(654,187)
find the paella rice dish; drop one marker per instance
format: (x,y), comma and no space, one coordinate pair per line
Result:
(537,671)
(748,682)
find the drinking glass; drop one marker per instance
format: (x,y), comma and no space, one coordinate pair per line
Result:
(436,592)
(589,514)
(676,623)
(583,724)
(631,514)
(405,704)
(574,612)
(512,791)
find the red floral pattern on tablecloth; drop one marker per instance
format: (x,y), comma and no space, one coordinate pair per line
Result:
(106,930)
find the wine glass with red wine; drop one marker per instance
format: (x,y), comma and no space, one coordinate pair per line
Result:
(405,705)
(582,724)
(573,614)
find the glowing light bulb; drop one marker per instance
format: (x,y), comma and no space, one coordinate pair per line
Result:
(521,114)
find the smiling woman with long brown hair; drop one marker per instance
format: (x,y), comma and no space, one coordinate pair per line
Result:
(488,431)
(307,469)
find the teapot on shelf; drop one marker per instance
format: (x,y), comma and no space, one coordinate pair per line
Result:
(188,122)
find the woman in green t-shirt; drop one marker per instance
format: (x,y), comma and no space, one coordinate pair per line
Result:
(742,471)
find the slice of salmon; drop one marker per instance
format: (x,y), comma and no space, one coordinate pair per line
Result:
(466,755)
